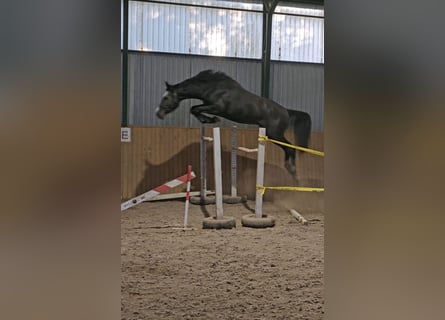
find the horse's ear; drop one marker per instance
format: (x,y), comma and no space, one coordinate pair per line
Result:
(168,85)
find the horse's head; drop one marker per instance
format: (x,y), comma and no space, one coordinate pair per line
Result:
(169,102)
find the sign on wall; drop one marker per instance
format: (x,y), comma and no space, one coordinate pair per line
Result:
(125,134)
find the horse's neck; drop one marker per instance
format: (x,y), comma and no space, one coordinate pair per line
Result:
(189,91)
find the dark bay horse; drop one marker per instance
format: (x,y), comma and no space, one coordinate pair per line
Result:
(224,97)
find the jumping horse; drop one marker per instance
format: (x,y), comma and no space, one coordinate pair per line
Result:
(223,97)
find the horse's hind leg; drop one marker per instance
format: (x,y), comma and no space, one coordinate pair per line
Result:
(289,155)
(289,162)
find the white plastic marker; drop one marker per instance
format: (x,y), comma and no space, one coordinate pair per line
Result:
(298,216)
(154,192)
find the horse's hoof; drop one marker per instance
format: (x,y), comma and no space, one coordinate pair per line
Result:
(210,120)
(205,120)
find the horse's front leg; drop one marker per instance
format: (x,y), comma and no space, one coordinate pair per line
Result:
(199,110)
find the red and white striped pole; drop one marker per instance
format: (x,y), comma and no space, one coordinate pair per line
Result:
(160,189)
(187,196)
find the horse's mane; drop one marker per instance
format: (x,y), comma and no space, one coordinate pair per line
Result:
(210,76)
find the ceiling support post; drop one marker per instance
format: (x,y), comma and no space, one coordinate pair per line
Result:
(268,10)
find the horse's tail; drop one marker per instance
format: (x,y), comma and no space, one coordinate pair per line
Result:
(301,123)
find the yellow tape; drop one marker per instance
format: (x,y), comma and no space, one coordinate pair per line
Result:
(262,138)
(316,152)
(262,189)
(303,189)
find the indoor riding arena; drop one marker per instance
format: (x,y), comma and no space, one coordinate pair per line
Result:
(174,266)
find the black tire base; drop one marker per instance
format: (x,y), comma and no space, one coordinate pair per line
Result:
(223,223)
(251,221)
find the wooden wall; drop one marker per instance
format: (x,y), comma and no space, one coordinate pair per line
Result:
(156,155)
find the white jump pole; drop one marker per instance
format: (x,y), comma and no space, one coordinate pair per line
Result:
(260,174)
(203,160)
(187,197)
(218,177)
(233,156)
